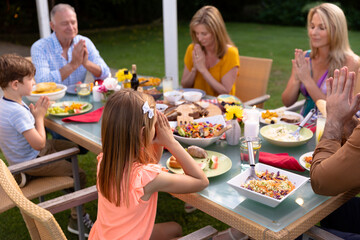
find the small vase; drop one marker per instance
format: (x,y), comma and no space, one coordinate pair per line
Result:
(233,135)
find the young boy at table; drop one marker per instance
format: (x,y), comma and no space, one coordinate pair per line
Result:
(22,131)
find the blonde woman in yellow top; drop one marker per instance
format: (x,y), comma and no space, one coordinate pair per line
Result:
(211,60)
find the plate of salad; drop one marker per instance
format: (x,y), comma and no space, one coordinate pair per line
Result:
(306,160)
(214,165)
(69,108)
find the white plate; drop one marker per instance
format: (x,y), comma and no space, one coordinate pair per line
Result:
(224,165)
(285,113)
(161,107)
(200,142)
(240,179)
(302,160)
(68,103)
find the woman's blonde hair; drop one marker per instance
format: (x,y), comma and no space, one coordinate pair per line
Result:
(125,137)
(336,27)
(211,18)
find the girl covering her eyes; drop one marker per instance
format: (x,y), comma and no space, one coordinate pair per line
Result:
(129,177)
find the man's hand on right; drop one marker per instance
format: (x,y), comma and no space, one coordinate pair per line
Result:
(341,104)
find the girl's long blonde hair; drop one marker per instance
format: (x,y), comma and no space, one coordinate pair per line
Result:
(124,142)
(336,27)
(211,18)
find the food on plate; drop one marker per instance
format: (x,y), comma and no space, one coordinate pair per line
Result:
(282,133)
(271,117)
(45,87)
(271,120)
(308,161)
(271,184)
(197,111)
(152,91)
(228,99)
(290,118)
(174,163)
(68,108)
(269,114)
(213,162)
(197,152)
(198,130)
(153,81)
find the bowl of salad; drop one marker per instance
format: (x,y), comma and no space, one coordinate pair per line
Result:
(275,186)
(201,133)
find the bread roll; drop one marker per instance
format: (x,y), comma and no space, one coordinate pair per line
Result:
(197,152)
(174,163)
(45,86)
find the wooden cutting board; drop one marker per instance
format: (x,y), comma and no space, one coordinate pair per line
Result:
(212,109)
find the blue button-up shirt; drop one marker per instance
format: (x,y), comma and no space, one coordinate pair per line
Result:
(47,58)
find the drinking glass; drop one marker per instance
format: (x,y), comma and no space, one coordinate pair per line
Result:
(83,92)
(320,125)
(244,153)
(167,84)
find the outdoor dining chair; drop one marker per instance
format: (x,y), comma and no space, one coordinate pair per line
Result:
(39,219)
(41,186)
(251,84)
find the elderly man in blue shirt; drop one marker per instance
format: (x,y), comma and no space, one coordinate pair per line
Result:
(65,57)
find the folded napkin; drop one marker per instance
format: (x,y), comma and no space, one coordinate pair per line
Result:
(93,116)
(281,160)
(213,101)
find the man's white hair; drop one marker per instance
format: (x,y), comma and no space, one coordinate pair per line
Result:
(58,8)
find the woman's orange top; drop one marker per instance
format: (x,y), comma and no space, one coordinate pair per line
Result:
(225,64)
(135,222)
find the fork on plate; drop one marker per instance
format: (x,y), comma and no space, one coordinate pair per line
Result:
(296,133)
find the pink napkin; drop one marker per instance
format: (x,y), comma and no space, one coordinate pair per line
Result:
(213,101)
(281,160)
(93,116)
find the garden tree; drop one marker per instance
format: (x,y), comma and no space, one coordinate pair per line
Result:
(18,16)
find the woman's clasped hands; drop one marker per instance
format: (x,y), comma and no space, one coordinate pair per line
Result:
(301,65)
(198,56)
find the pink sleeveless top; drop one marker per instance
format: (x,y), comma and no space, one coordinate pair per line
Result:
(135,222)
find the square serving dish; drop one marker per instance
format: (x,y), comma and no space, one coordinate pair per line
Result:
(240,179)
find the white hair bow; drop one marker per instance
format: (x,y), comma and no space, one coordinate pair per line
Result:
(146,109)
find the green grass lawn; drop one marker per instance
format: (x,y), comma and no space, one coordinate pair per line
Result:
(143,45)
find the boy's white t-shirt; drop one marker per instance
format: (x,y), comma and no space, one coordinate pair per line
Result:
(14,120)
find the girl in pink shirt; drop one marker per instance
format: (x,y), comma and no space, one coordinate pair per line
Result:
(133,135)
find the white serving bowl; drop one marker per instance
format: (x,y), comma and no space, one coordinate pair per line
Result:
(200,142)
(305,133)
(192,96)
(52,96)
(173,96)
(240,179)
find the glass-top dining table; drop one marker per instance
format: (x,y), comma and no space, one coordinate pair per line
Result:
(294,216)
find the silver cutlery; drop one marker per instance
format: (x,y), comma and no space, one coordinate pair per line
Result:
(252,175)
(296,133)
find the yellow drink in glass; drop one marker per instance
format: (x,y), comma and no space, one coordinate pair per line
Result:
(320,125)
(167,84)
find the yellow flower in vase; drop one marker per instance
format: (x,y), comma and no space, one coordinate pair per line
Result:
(123,75)
(233,112)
